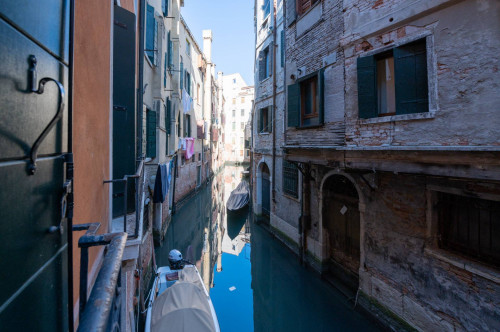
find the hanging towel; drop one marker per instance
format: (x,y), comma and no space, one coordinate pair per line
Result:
(189,148)
(161,184)
(187,102)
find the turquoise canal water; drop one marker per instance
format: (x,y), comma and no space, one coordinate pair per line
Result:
(256,284)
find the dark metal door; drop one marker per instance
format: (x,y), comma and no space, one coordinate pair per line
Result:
(124,121)
(34,42)
(266,194)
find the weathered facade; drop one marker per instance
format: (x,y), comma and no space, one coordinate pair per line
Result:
(392,150)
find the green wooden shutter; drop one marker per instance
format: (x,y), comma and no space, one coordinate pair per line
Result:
(182,75)
(293,105)
(150,32)
(367,87)
(282,48)
(410,71)
(170,51)
(168,116)
(270,119)
(150,134)
(165,71)
(321,96)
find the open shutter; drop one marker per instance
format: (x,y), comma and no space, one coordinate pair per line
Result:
(410,71)
(182,75)
(293,105)
(367,87)
(282,48)
(150,134)
(150,32)
(165,71)
(170,51)
(164,7)
(270,119)
(291,12)
(168,115)
(262,66)
(155,43)
(321,96)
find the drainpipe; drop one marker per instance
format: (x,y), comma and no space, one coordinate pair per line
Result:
(306,211)
(274,105)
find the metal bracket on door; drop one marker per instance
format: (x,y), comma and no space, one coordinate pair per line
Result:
(39,89)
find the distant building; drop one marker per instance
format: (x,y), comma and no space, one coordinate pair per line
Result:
(238,111)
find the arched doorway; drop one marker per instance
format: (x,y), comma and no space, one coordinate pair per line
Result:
(341,224)
(266,192)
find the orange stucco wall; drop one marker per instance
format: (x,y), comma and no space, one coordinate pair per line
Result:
(91,121)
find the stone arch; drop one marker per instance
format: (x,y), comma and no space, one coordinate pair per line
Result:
(341,209)
(262,174)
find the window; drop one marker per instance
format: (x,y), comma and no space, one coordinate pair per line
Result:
(265,120)
(393,82)
(187,125)
(469,226)
(265,64)
(290,179)
(233,140)
(170,45)
(242,141)
(241,153)
(304,5)
(179,133)
(234,126)
(306,101)
(187,83)
(234,101)
(234,80)
(234,113)
(188,48)
(150,133)
(242,112)
(282,48)
(266,8)
(151,35)
(242,100)
(242,125)
(181,74)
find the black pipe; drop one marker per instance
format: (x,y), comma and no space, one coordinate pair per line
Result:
(140,90)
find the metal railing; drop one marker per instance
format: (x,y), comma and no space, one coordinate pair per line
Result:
(124,180)
(101,311)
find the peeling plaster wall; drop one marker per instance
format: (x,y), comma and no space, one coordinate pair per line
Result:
(463,72)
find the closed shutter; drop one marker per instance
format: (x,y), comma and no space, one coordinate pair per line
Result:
(165,71)
(291,12)
(367,87)
(150,134)
(182,75)
(293,105)
(150,32)
(321,96)
(155,43)
(262,65)
(410,69)
(168,115)
(282,48)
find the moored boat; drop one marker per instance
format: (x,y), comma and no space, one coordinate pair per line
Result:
(179,300)
(239,197)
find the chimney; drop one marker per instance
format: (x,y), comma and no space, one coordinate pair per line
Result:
(207,45)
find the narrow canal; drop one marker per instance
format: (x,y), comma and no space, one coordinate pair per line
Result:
(256,284)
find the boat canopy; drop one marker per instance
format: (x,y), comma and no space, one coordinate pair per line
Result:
(239,197)
(183,306)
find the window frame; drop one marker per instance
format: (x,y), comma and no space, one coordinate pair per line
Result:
(287,171)
(295,96)
(432,91)
(265,122)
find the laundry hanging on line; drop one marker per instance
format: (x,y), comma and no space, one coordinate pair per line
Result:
(189,148)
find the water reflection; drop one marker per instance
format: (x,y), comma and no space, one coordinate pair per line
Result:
(254,281)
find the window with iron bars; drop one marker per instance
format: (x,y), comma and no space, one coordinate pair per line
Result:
(469,226)
(290,179)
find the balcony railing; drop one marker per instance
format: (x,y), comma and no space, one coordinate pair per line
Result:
(101,311)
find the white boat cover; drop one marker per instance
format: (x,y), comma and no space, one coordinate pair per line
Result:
(183,306)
